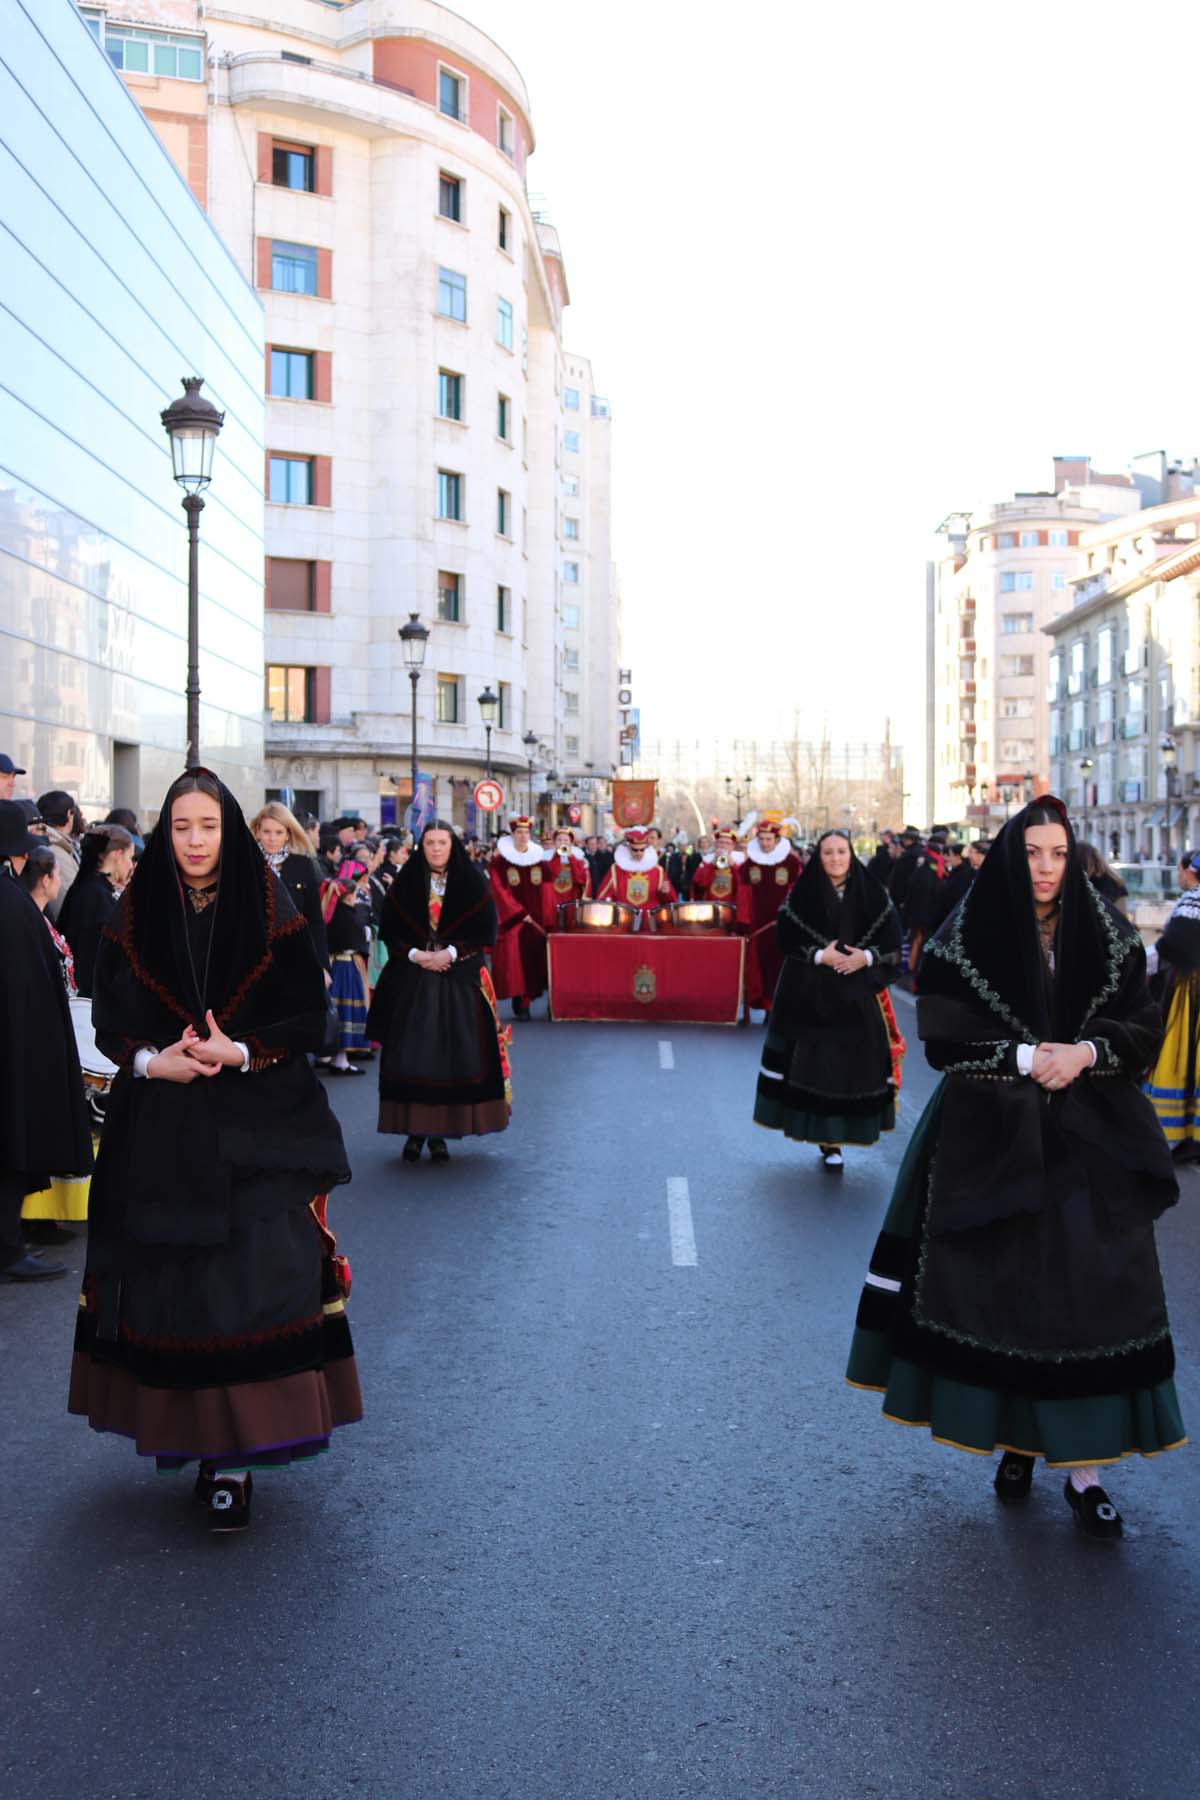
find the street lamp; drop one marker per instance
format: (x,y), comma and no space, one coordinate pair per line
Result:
(735,794)
(413,639)
(1085,769)
(488,706)
(552,780)
(192,424)
(1170,756)
(531,743)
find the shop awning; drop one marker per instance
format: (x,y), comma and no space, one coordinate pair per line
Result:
(1158,816)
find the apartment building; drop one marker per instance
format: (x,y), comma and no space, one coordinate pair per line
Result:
(432,445)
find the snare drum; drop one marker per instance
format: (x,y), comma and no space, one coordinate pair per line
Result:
(597,915)
(98,1073)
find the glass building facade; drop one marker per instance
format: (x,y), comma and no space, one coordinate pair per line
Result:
(113,286)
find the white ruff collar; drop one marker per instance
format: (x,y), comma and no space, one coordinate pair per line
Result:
(574,850)
(624,860)
(779,854)
(524,859)
(735,856)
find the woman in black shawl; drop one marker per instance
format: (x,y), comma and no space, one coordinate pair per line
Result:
(830,1064)
(212,1323)
(443,1070)
(1014,1300)
(90,903)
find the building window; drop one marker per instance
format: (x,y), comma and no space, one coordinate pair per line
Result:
(504,609)
(292,167)
(292,374)
(1059,539)
(449,594)
(600,408)
(1013,622)
(1016,709)
(1007,540)
(1016,665)
(452,94)
(570,701)
(504,131)
(291,585)
(504,417)
(571,660)
(571,572)
(571,399)
(570,616)
(293,268)
(570,528)
(1028,540)
(291,480)
(504,323)
(450,197)
(571,441)
(503,513)
(504,710)
(572,744)
(449,495)
(570,486)
(154,53)
(290,694)
(449,395)
(452,295)
(504,230)
(1016,750)
(448,707)
(1105,647)
(1058,581)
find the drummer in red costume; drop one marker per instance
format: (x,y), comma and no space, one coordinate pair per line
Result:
(517,877)
(565,876)
(764,882)
(637,877)
(717,876)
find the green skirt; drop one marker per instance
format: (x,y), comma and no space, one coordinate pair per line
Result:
(1076,1432)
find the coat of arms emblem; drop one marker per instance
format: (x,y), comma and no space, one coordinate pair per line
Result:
(638,890)
(755,874)
(644,985)
(781,876)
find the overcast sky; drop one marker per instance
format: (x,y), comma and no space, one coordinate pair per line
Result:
(843,269)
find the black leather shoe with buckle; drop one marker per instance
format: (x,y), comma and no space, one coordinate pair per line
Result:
(1095,1514)
(1014,1476)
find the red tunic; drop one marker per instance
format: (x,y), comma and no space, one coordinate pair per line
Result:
(643,888)
(762,889)
(519,957)
(712,883)
(564,878)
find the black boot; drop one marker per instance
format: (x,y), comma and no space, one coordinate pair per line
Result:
(412,1149)
(1014,1476)
(229,1502)
(437,1150)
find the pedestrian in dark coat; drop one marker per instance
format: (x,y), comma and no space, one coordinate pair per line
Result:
(285,844)
(105,866)
(44,1127)
(949,892)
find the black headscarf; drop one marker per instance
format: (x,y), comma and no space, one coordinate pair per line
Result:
(814,900)
(468,914)
(989,950)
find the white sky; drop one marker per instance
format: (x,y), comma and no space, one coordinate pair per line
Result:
(842,269)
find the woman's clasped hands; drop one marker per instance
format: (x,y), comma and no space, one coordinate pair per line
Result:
(193,1057)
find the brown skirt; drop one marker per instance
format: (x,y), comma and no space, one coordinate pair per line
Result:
(417,1118)
(272,1421)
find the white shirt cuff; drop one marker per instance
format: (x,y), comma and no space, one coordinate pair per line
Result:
(1025,1058)
(1088,1045)
(141,1061)
(870,956)
(819,956)
(1152,960)
(245,1050)
(414,953)
(453,953)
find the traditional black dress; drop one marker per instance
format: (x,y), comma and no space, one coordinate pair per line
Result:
(299,875)
(89,905)
(443,1069)
(1014,1299)
(212,1322)
(827,1074)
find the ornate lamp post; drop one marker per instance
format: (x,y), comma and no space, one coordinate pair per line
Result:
(413,639)
(531,743)
(192,424)
(1170,756)
(735,793)
(1085,769)
(489,705)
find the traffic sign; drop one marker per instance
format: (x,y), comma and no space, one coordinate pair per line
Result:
(489,796)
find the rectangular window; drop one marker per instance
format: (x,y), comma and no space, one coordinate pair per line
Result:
(504,710)
(571,399)
(291,585)
(503,513)
(1058,581)
(1016,709)
(292,167)
(504,131)
(570,528)
(449,495)
(449,395)
(290,693)
(504,230)
(449,594)
(1013,622)
(570,701)
(292,374)
(504,323)
(141,52)
(451,95)
(504,417)
(570,617)
(1105,659)
(450,197)
(571,441)
(1028,540)
(572,744)
(1024,581)
(291,481)
(1059,540)
(452,295)
(1016,750)
(571,572)
(1016,665)
(570,486)
(571,660)
(1007,540)
(448,708)
(293,268)
(503,609)
(1008,583)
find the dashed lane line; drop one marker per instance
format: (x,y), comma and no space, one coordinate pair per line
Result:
(679,1212)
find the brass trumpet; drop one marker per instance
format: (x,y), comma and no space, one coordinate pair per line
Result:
(723,860)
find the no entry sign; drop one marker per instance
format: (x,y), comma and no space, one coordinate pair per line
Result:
(489,796)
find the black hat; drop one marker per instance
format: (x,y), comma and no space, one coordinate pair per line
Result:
(9,767)
(16,839)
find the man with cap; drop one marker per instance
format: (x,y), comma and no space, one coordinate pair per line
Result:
(566,876)
(716,877)
(764,881)
(636,877)
(516,877)
(8,776)
(44,1126)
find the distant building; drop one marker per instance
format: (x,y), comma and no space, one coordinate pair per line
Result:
(432,444)
(115,286)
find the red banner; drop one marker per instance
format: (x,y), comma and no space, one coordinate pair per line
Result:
(633,802)
(669,980)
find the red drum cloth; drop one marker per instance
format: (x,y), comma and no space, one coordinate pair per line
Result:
(677,981)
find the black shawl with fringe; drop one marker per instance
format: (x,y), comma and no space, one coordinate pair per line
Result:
(467,921)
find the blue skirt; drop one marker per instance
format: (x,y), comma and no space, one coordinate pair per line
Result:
(349,997)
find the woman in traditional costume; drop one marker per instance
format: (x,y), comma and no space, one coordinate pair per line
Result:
(443,1070)
(212,1325)
(105,866)
(831,1061)
(1172,1083)
(1014,1300)
(348,940)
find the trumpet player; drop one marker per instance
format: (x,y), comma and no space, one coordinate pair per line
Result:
(716,878)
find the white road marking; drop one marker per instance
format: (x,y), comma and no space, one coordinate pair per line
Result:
(679,1208)
(666,1054)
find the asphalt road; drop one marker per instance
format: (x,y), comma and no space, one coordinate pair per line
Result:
(613,1528)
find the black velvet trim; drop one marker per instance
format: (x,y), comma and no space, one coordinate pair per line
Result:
(892,1256)
(289,1352)
(878,1310)
(847,1106)
(1075,1379)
